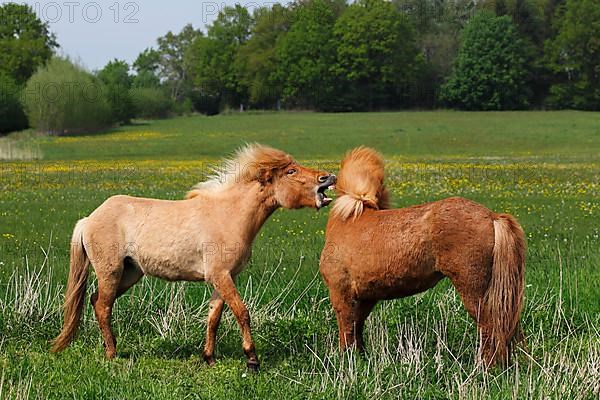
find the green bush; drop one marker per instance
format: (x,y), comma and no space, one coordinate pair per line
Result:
(183,107)
(150,103)
(64,98)
(12,116)
(205,103)
(490,71)
(121,105)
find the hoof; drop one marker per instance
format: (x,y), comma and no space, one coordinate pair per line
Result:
(253,366)
(210,360)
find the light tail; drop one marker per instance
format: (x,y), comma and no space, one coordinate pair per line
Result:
(504,297)
(76,289)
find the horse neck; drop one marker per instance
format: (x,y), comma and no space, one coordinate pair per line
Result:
(255,204)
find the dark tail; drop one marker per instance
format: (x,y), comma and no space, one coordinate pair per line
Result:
(75,293)
(504,297)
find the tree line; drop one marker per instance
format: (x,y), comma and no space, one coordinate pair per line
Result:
(328,55)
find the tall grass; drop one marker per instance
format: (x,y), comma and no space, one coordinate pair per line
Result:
(427,352)
(15,150)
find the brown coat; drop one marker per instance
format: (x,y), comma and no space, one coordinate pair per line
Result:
(373,254)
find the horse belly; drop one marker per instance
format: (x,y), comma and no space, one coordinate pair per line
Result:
(173,269)
(396,287)
(395,279)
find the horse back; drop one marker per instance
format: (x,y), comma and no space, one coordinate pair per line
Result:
(400,252)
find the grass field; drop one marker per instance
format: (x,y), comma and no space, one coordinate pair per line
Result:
(543,167)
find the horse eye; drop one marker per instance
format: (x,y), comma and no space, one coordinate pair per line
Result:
(291,171)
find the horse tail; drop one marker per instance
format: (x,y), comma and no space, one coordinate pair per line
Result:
(360,184)
(504,296)
(76,287)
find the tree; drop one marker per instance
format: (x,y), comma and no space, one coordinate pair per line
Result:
(528,17)
(207,71)
(173,70)
(438,25)
(25,42)
(490,70)
(306,55)
(256,59)
(12,117)
(574,56)
(550,11)
(146,67)
(213,58)
(116,73)
(376,54)
(117,79)
(529,20)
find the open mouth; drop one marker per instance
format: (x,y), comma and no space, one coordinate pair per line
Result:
(321,197)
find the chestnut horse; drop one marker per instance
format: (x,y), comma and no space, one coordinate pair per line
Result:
(373,253)
(206,237)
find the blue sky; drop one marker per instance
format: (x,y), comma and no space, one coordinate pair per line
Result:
(93,32)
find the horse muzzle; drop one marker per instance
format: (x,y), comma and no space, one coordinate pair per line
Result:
(326,182)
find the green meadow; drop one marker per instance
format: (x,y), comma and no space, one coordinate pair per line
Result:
(542,167)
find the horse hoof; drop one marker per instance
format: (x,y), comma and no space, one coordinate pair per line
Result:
(253,366)
(210,360)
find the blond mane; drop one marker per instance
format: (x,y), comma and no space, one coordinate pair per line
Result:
(247,164)
(360,184)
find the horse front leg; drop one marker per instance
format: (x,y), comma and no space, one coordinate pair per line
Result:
(215,310)
(224,284)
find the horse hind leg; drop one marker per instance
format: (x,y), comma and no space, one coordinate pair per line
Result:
(103,301)
(362,310)
(472,288)
(112,283)
(224,285)
(131,275)
(214,318)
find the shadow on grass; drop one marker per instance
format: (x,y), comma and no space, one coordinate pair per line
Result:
(228,349)
(99,132)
